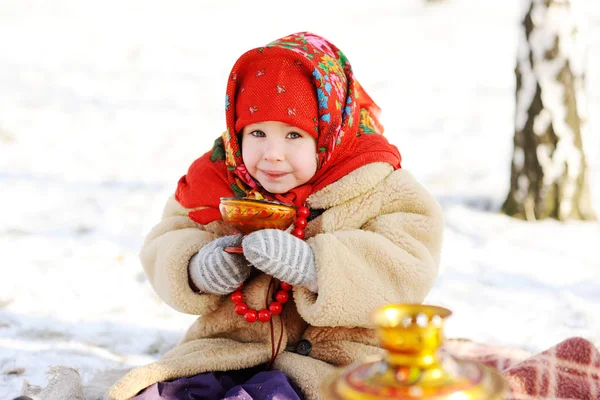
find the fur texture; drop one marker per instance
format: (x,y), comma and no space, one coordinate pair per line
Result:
(380,235)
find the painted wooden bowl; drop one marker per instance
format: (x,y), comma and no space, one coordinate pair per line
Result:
(249,215)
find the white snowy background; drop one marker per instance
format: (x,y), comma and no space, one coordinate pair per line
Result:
(103,105)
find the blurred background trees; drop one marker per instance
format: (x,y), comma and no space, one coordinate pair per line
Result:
(549,169)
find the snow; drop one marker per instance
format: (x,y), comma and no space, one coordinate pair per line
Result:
(103,105)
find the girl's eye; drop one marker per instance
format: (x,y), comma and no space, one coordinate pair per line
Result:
(294,135)
(257,133)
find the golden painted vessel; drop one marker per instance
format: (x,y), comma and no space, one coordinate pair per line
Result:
(413,366)
(249,215)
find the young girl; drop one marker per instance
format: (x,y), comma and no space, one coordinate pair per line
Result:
(301,131)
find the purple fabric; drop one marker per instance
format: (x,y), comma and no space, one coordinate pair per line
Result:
(248,384)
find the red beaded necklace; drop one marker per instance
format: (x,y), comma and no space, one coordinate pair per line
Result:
(282,295)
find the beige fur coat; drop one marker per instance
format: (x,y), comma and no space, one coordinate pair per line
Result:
(377,242)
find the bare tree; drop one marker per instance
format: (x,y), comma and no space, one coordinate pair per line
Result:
(549,171)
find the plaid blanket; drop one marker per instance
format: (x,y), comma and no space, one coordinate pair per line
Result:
(569,370)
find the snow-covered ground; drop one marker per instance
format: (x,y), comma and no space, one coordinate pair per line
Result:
(103,105)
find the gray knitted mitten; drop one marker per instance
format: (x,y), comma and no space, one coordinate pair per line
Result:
(215,271)
(287,258)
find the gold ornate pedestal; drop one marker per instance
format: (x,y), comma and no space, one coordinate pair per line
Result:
(413,367)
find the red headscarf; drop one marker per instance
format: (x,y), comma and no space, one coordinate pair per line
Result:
(349,133)
(277,89)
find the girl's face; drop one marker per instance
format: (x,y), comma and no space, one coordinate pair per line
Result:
(279,156)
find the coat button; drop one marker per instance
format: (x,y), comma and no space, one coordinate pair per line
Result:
(304,347)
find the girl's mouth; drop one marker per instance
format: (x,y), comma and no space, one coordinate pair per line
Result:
(274,175)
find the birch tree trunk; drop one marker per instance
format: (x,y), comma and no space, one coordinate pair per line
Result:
(549,171)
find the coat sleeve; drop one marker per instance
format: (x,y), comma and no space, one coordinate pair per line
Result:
(392,258)
(165,256)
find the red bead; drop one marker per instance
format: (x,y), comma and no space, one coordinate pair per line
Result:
(240,287)
(250,316)
(282,296)
(300,223)
(264,315)
(275,308)
(285,286)
(236,297)
(299,233)
(303,212)
(240,308)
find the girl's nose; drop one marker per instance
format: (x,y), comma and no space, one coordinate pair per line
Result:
(274,151)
